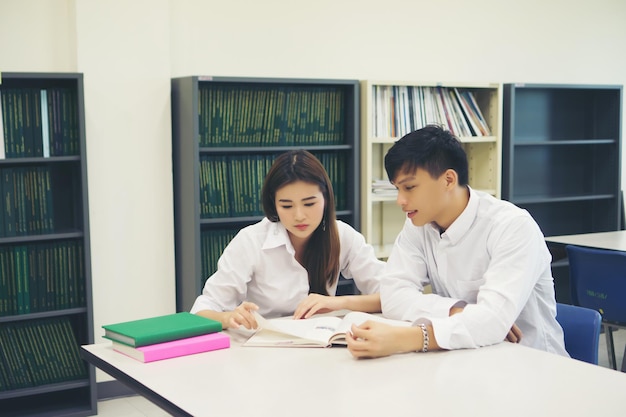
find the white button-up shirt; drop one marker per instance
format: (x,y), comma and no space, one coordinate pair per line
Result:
(494,259)
(259,265)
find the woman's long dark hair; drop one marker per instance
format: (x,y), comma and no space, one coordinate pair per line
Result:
(321,257)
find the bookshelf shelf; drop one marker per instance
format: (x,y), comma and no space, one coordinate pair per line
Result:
(226,132)
(570,136)
(45,273)
(391,109)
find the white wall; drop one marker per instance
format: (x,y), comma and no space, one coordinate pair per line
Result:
(123,50)
(446,40)
(129,49)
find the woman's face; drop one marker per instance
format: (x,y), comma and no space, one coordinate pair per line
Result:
(300,208)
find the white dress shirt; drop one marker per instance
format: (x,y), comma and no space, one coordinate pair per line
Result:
(259,265)
(493,260)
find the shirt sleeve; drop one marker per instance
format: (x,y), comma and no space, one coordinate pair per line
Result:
(227,287)
(358,260)
(518,254)
(403,281)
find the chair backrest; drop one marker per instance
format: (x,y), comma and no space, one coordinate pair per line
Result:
(581,327)
(598,281)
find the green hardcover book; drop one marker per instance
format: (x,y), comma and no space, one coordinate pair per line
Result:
(23,342)
(49,343)
(8,197)
(160,329)
(75,365)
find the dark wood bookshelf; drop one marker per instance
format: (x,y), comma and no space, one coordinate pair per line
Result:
(252,119)
(46,309)
(561,160)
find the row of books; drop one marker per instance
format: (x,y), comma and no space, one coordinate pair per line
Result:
(38,122)
(168,336)
(38,352)
(398,110)
(41,277)
(230,186)
(249,115)
(212,244)
(27,202)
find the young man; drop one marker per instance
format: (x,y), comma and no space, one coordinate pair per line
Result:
(485,259)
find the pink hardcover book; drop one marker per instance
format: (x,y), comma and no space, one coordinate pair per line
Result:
(175,348)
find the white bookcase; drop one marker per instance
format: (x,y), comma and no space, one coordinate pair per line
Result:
(391,109)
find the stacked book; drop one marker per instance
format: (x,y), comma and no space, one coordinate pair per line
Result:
(384,187)
(167,336)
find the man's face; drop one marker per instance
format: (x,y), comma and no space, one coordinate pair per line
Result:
(424,199)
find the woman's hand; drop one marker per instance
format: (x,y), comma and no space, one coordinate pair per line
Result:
(240,316)
(317,303)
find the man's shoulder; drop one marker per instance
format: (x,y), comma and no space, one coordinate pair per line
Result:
(501,211)
(488,202)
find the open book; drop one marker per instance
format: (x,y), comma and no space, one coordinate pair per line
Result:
(320,331)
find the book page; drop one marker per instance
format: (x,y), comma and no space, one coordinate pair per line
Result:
(358,318)
(286,331)
(315,331)
(270,338)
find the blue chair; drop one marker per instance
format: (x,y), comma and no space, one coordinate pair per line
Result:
(581,327)
(598,282)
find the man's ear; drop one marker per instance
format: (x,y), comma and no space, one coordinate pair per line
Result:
(451,178)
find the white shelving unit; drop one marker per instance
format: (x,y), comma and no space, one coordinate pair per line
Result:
(381,218)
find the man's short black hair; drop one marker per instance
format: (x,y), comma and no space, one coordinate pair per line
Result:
(431,148)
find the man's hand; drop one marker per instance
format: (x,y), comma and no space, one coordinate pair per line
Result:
(373,339)
(514,335)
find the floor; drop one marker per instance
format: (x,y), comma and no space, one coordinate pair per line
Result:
(137,406)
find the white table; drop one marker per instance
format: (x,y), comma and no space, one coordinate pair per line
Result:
(501,380)
(604,240)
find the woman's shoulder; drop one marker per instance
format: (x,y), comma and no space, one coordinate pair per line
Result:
(256,231)
(346,231)
(344,227)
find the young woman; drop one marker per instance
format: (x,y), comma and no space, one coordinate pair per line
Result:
(289,262)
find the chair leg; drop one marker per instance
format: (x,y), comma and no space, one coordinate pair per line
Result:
(610,347)
(624,360)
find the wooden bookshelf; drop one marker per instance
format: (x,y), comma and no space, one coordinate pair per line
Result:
(391,109)
(45,272)
(226,133)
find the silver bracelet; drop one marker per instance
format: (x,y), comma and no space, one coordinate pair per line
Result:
(425,337)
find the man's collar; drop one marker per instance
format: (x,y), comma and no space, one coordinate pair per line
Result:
(462,224)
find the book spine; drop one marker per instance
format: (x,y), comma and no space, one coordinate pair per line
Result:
(2,110)
(45,124)
(189,347)
(182,347)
